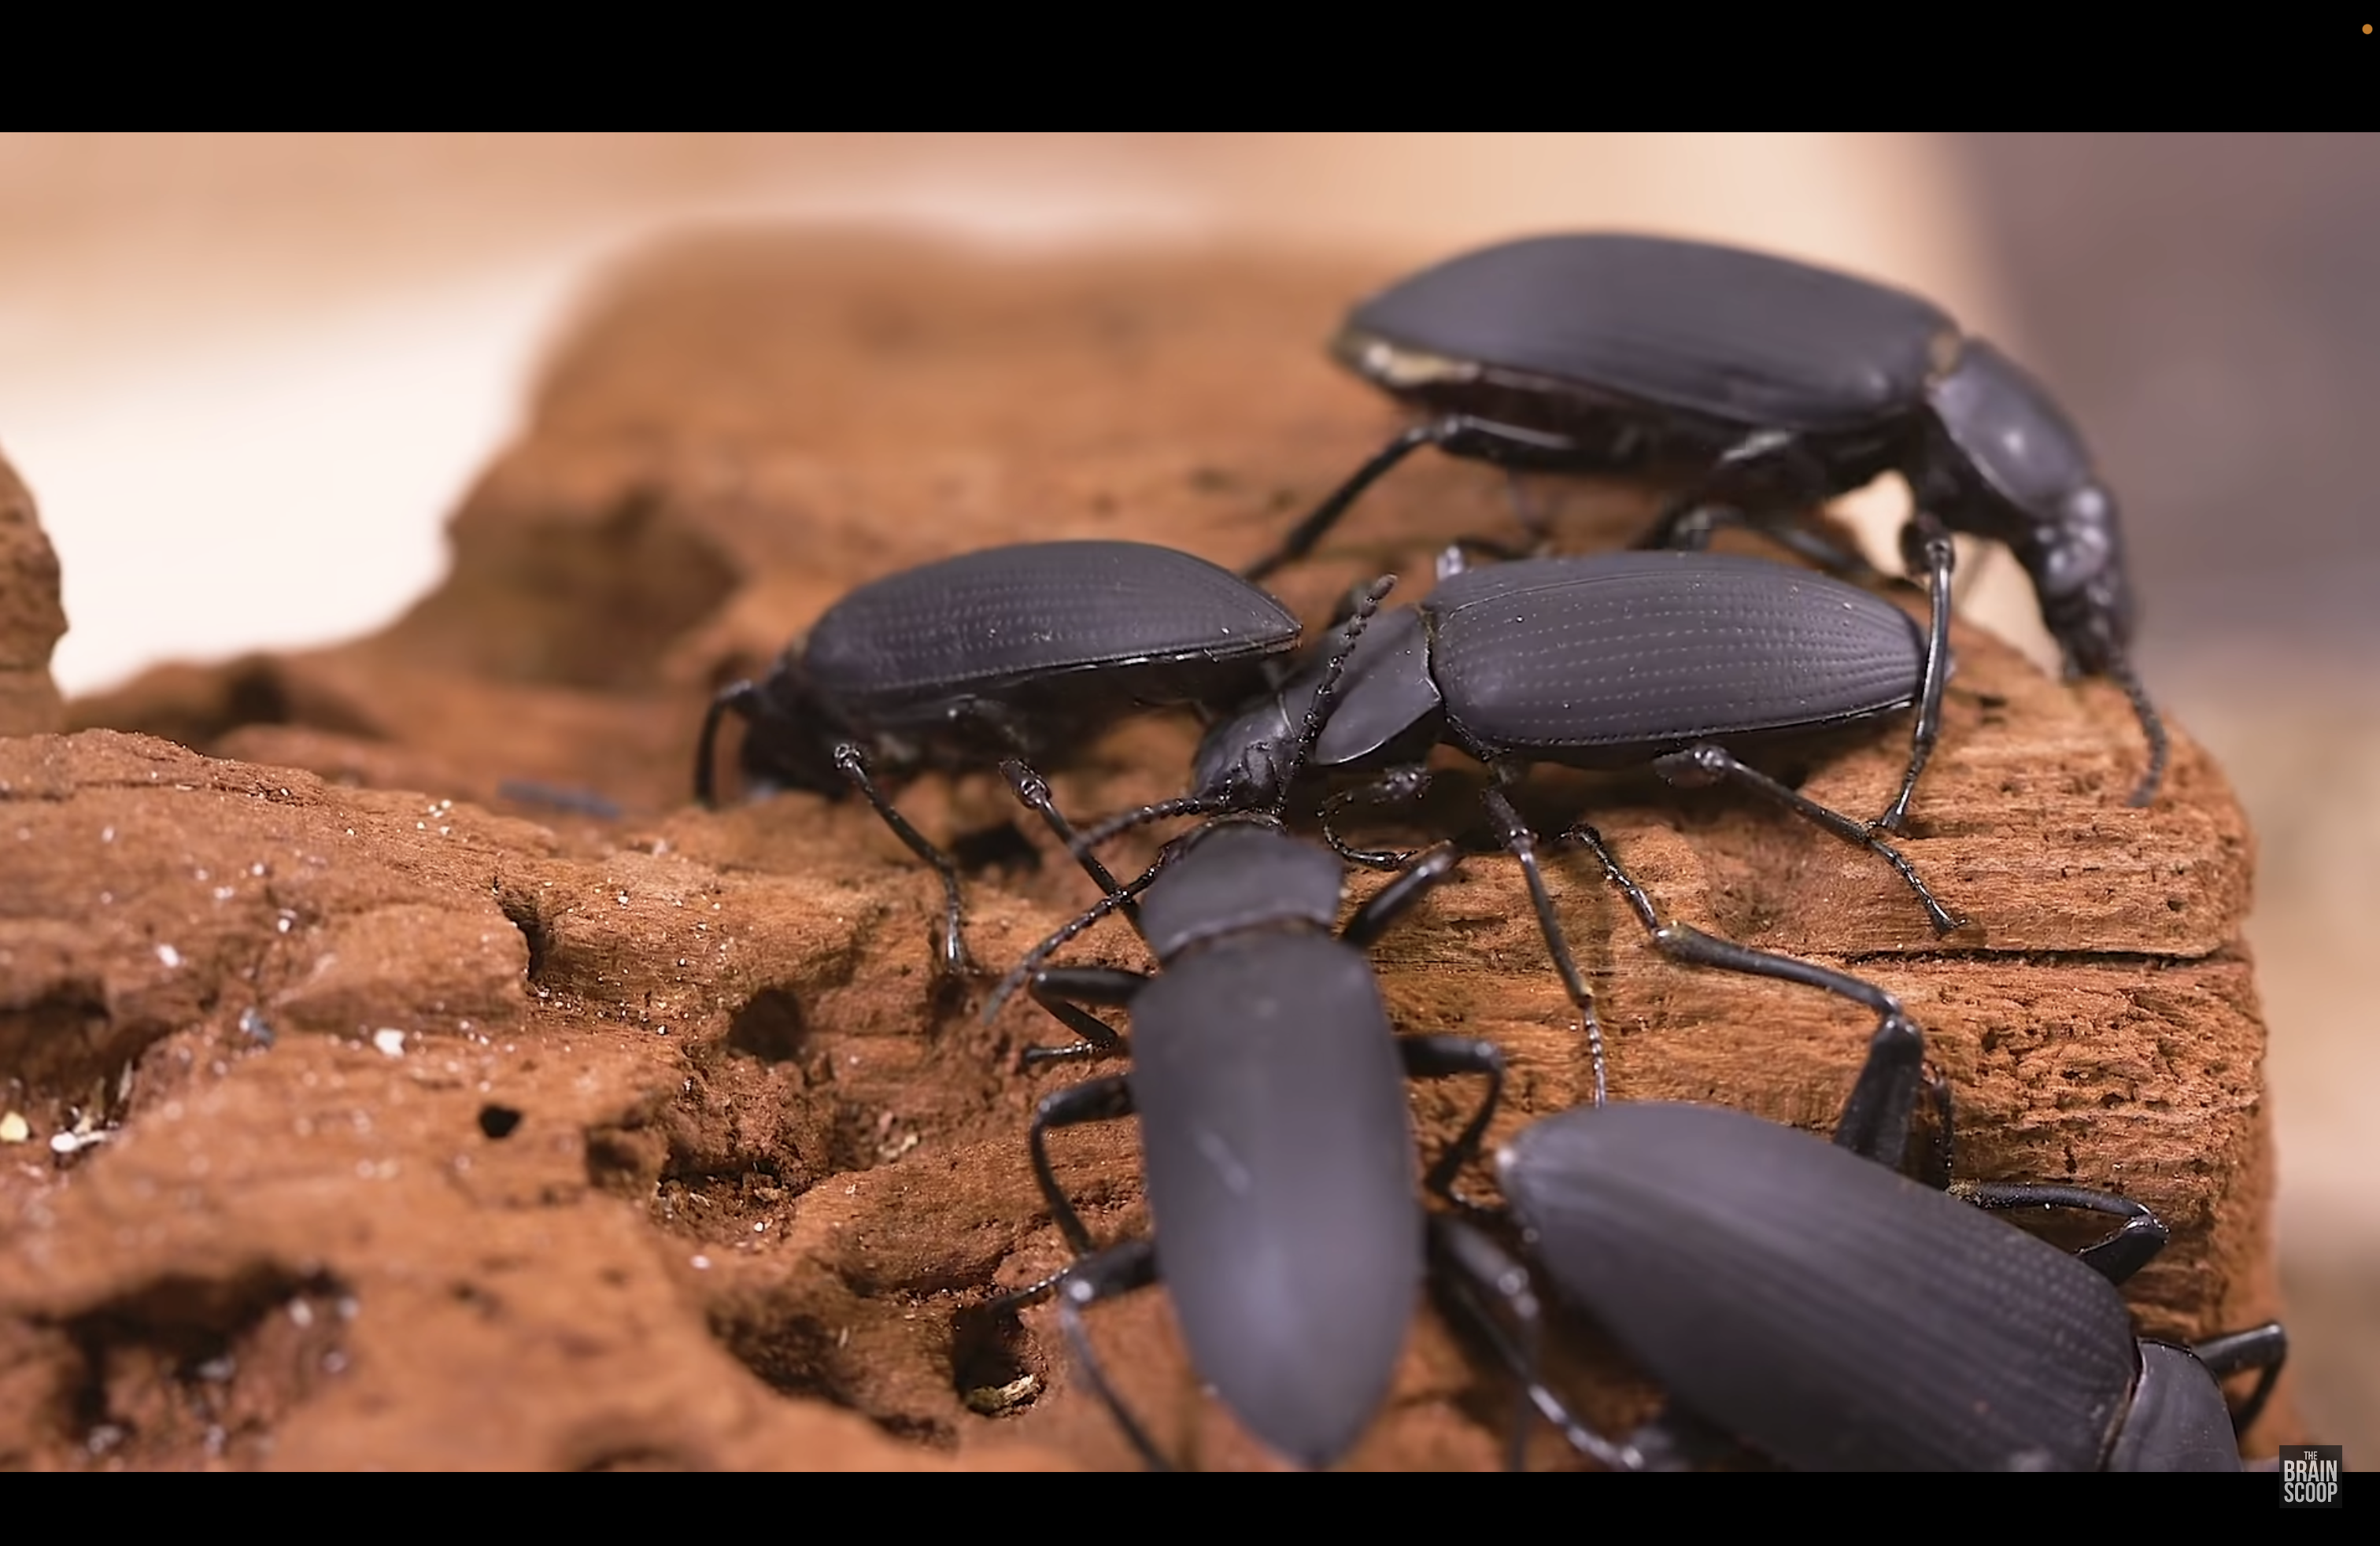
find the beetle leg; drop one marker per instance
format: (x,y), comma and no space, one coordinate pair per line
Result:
(1392,901)
(1760,483)
(1062,990)
(1392,786)
(744,700)
(2261,1348)
(1699,766)
(1024,970)
(1457,434)
(1110,1274)
(952,959)
(1107,1274)
(1102,1100)
(1878,1114)
(2118,1257)
(1491,1294)
(1941,1160)
(1437,1057)
(1689,527)
(1306,533)
(1523,842)
(1875,1120)
(1929,541)
(1032,793)
(1675,1440)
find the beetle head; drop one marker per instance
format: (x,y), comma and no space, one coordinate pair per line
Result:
(1241,761)
(789,737)
(2077,564)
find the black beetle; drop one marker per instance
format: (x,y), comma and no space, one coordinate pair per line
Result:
(1026,651)
(1610,660)
(1807,1301)
(1274,1128)
(1774,385)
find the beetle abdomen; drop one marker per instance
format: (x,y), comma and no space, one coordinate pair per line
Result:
(1281,1183)
(1035,609)
(1650,650)
(1712,330)
(1830,1312)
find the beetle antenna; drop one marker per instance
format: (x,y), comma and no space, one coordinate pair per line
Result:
(1309,730)
(744,700)
(1181,805)
(2119,670)
(1317,712)
(1049,946)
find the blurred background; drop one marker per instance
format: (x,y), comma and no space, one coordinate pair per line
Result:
(248,377)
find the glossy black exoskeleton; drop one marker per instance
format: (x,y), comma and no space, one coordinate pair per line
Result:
(1031,650)
(1768,385)
(1278,1149)
(1807,1302)
(1659,660)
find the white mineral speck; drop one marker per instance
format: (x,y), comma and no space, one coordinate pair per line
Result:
(169,955)
(390,1040)
(107,834)
(14,1128)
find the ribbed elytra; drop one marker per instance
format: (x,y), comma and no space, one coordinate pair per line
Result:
(1036,608)
(1010,654)
(1757,387)
(1709,329)
(1827,1311)
(1655,650)
(1279,1156)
